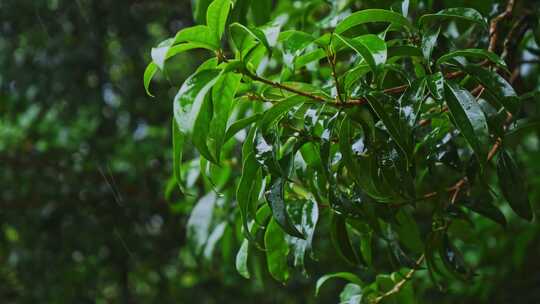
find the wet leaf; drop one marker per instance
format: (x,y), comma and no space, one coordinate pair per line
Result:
(277,251)
(276,200)
(351,277)
(469,118)
(372,15)
(460,13)
(513,185)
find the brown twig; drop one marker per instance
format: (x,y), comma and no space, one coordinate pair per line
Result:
(495,22)
(401,283)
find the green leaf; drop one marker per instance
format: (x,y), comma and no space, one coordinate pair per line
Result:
(404,51)
(429,41)
(200,35)
(254,33)
(372,15)
(361,170)
(149,73)
(246,187)
(351,294)
(340,239)
(275,198)
(216,17)
(222,97)
(304,215)
(279,109)
(293,43)
(351,277)
(453,260)
(473,53)
(160,54)
(513,185)
(178,147)
(469,118)
(435,83)
(198,225)
(462,13)
(240,124)
(496,85)
(242,258)
(244,39)
(189,99)
(201,128)
(277,251)
(396,128)
(408,232)
(370,47)
(193,109)
(213,239)
(482,204)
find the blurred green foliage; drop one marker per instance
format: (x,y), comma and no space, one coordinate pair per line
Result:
(85,163)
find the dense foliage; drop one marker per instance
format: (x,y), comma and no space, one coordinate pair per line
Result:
(386,131)
(90,211)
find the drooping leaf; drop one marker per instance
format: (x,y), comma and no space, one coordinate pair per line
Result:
(429,41)
(351,277)
(496,85)
(513,185)
(351,294)
(276,200)
(216,17)
(469,118)
(372,15)
(483,205)
(178,148)
(201,128)
(240,124)
(435,83)
(149,73)
(277,111)
(213,239)
(472,53)
(243,38)
(277,251)
(198,225)
(341,241)
(453,260)
(222,99)
(304,215)
(189,99)
(242,259)
(391,121)
(370,47)
(462,13)
(408,232)
(246,187)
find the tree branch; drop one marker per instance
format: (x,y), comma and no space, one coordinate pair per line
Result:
(401,283)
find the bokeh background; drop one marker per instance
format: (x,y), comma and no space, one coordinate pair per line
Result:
(85,161)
